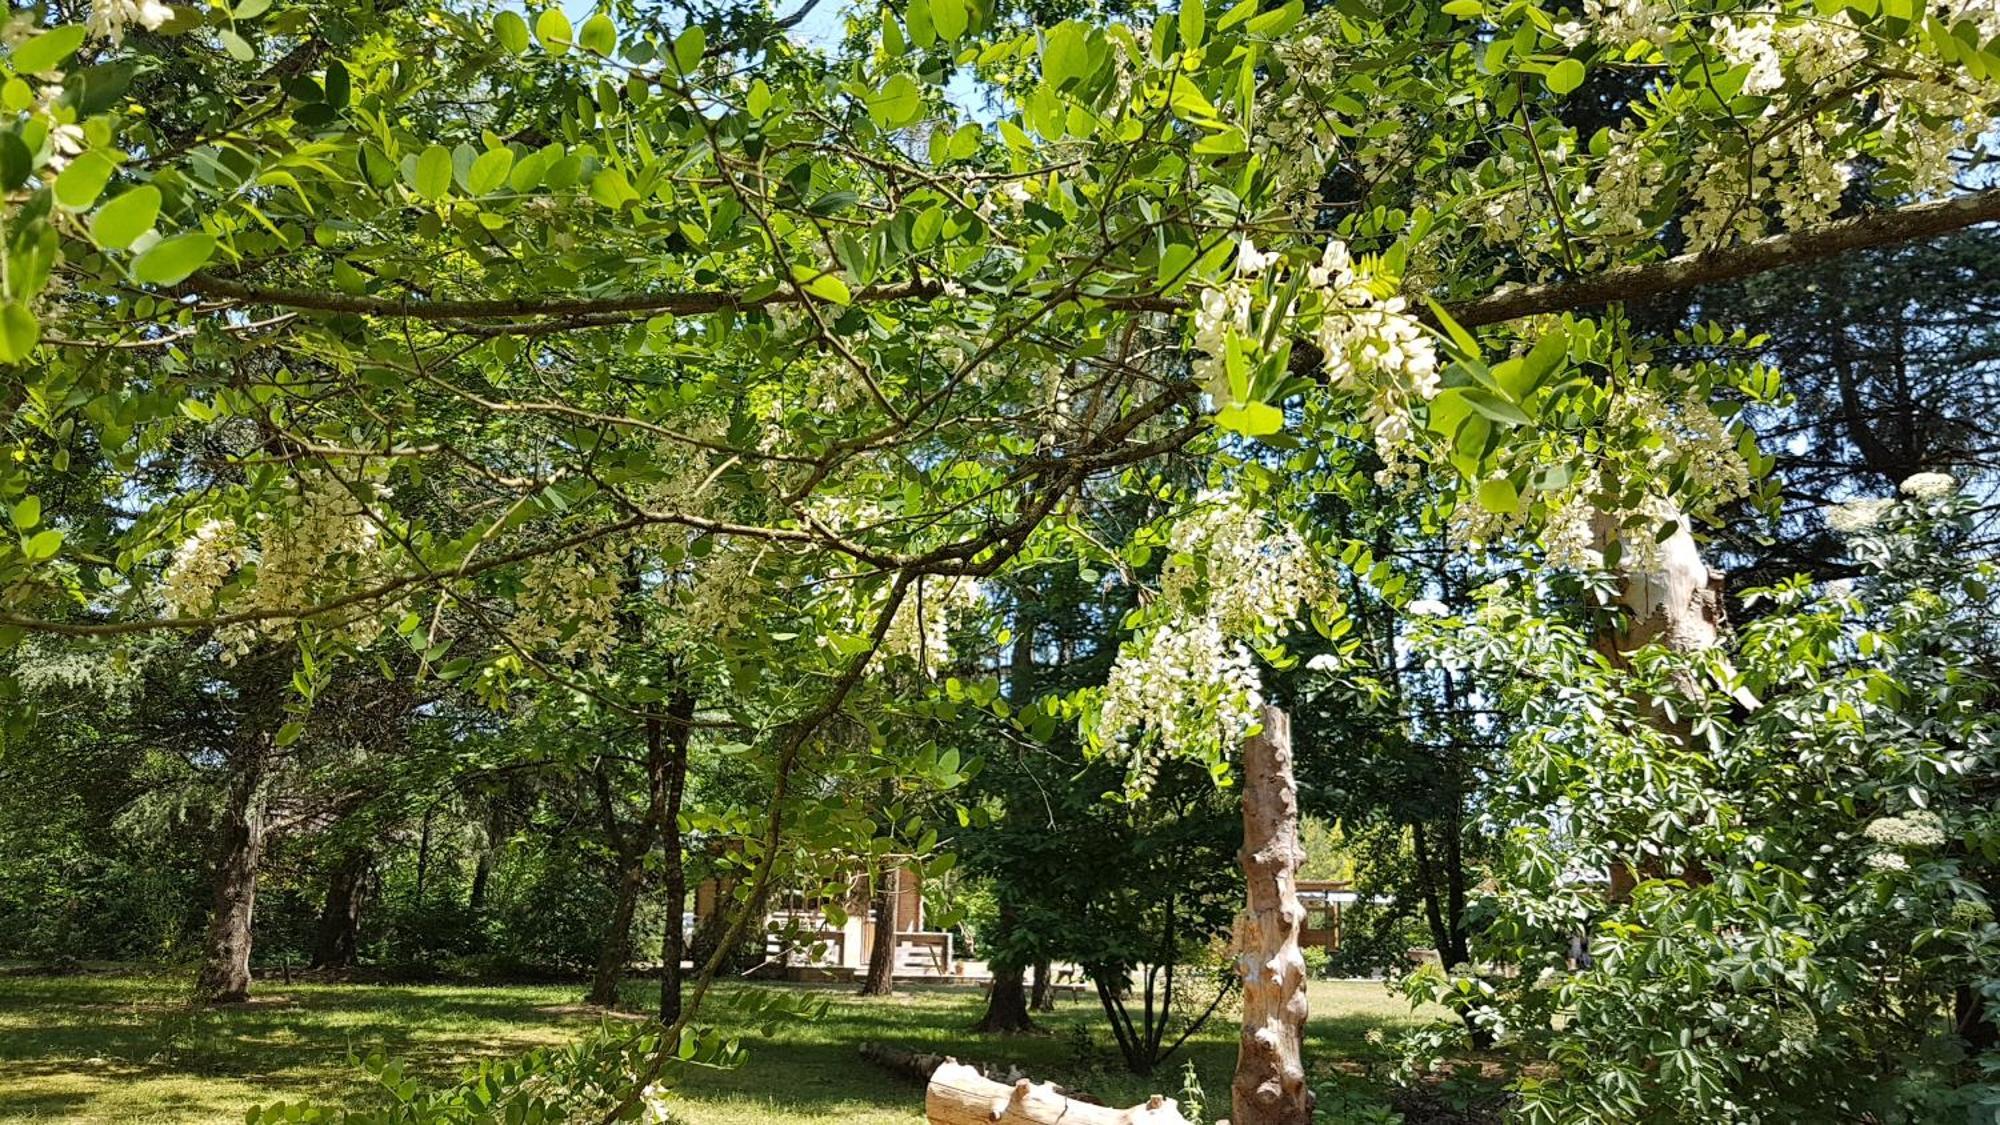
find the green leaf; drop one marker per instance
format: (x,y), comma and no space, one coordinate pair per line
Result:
(1499,496)
(689,46)
(16,162)
(433,179)
(1066,54)
(828,287)
(897,103)
(553,31)
(612,189)
(49,50)
(1252,419)
(83,181)
(27,513)
(512,32)
(949,18)
(599,35)
(1193,23)
(43,545)
(1565,76)
(1494,407)
(171,261)
(489,171)
(290,732)
(238,47)
(119,223)
(19,332)
(1465,9)
(758,102)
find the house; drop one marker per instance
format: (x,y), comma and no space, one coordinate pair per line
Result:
(803,942)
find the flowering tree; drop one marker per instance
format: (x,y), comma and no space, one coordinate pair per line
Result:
(442,325)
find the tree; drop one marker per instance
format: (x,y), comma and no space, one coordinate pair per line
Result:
(633,302)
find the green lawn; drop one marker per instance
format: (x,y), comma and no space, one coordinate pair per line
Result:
(101,1048)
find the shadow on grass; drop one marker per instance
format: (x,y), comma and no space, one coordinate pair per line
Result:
(71,1046)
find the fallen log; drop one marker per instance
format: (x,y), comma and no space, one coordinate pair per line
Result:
(960,1095)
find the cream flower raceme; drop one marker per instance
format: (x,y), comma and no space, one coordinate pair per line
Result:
(1929,486)
(109,18)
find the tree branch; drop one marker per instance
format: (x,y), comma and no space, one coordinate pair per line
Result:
(1689,271)
(1622,283)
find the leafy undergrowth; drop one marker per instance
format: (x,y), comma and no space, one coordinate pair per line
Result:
(103,1047)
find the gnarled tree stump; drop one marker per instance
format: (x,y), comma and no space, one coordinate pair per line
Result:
(1270,1083)
(960,1095)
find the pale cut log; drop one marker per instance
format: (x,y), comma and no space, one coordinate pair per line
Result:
(1270,1083)
(960,1095)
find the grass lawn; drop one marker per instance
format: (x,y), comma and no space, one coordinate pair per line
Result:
(104,1048)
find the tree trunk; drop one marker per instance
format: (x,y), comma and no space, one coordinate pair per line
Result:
(1044,999)
(881,978)
(674,942)
(225,970)
(1270,1083)
(1007,1003)
(340,919)
(960,1095)
(616,950)
(1676,602)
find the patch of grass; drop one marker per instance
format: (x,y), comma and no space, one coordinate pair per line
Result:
(125,1048)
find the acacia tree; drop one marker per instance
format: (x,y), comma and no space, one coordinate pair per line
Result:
(819,346)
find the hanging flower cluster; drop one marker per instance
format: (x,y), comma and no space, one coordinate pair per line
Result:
(1184,687)
(569,603)
(1230,565)
(109,18)
(310,545)
(1371,344)
(921,629)
(1188,686)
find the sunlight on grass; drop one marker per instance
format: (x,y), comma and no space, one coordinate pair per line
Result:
(123,1049)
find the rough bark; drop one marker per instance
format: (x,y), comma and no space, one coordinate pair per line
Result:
(225,970)
(1270,1083)
(960,1095)
(338,939)
(1007,1002)
(680,708)
(1044,997)
(1675,601)
(881,977)
(615,952)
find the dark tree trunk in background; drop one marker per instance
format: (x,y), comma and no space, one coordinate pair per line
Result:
(1044,998)
(1007,1003)
(489,852)
(674,942)
(616,950)
(225,970)
(224,977)
(424,853)
(340,919)
(881,979)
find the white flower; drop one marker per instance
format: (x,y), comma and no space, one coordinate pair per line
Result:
(1230,564)
(1251,261)
(1856,516)
(1930,486)
(109,18)
(199,567)
(1887,861)
(1910,830)
(1324,662)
